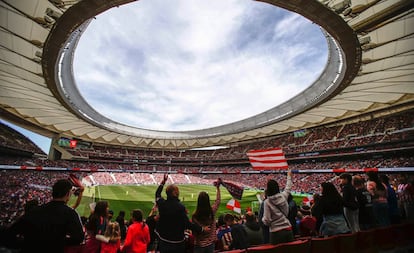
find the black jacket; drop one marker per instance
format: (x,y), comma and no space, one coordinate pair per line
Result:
(173,219)
(349,196)
(48,228)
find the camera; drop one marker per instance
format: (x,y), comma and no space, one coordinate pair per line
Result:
(76,191)
(76,184)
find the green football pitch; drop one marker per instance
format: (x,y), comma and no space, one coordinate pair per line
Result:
(130,197)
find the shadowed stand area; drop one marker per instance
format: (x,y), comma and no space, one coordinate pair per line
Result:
(395,238)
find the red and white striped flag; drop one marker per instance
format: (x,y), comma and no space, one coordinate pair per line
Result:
(234,205)
(267,159)
(307,201)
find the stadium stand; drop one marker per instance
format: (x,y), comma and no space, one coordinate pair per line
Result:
(12,140)
(358,139)
(374,143)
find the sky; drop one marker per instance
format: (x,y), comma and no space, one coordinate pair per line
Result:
(188,64)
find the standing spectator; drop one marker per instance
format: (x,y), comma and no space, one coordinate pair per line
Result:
(293,212)
(111,239)
(238,238)
(265,228)
(253,229)
(364,199)
(96,225)
(351,210)
(276,210)
(330,207)
(50,227)
(122,226)
(15,241)
(406,194)
(151,221)
(223,234)
(378,192)
(393,211)
(307,225)
(318,217)
(110,215)
(402,185)
(138,235)
(78,189)
(204,215)
(173,220)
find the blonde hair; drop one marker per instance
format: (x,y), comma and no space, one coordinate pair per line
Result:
(113,231)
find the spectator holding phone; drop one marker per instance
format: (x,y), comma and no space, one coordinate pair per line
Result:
(52,226)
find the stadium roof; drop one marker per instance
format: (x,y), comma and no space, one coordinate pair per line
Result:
(370,67)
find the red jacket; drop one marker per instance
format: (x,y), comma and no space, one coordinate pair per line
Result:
(110,247)
(137,238)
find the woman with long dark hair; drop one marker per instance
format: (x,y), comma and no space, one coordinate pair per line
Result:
(276,211)
(204,215)
(96,225)
(121,221)
(379,195)
(330,207)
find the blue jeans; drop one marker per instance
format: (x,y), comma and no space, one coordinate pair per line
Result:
(333,225)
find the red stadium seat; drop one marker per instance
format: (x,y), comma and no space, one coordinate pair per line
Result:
(366,241)
(385,238)
(400,238)
(403,235)
(298,246)
(236,251)
(408,231)
(266,248)
(346,243)
(322,245)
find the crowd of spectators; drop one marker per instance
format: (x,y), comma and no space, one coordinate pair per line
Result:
(307,163)
(372,135)
(120,165)
(21,186)
(225,232)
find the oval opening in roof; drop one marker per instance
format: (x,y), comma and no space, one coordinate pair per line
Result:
(187,65)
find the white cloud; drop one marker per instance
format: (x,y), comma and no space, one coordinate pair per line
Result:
(289,26)
(185,65)
(209,24)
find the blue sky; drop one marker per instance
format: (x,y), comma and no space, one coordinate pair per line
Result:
(187,64)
